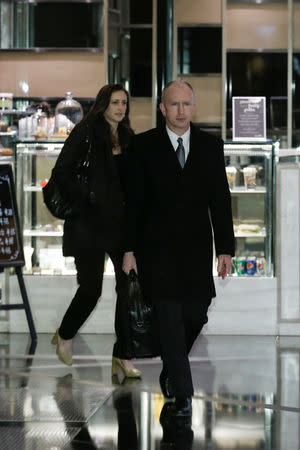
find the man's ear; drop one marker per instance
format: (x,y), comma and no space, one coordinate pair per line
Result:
(194,110)
(163,109)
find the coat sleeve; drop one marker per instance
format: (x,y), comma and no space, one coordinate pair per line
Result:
(134,198)
(73,151)
(220,206)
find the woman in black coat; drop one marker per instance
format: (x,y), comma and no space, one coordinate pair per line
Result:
(97,230)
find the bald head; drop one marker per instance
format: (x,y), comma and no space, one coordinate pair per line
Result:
(179,84)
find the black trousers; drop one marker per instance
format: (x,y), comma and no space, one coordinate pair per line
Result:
(90,277)
(178,327)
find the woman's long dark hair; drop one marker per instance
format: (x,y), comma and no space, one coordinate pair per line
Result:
(98,109)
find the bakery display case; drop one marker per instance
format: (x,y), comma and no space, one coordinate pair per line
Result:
(42,233)
(287,155)
(249,170)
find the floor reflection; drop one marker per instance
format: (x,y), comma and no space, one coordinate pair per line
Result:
(247,396)
(177,432)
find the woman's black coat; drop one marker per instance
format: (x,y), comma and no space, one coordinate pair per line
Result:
(99,225)
(172,214)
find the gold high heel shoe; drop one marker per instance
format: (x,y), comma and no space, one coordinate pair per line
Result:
(128,373)
(66,358)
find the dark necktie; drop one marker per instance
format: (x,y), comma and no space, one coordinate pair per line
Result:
(180,152)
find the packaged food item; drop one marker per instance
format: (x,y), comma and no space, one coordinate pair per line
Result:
(232,268)
(3,125)
(261,266)
(240,265)
(39,124)
(44,182)
(231,176)
(251,265)
(250,177)
(6,100)
(248,228)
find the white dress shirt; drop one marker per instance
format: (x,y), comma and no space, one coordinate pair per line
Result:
(185,140)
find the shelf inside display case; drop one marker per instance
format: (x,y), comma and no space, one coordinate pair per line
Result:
(242,190)
(33,188)
(249,175)
(42,233)
(252,235)
(8,133)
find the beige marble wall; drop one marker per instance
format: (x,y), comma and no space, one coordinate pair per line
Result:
(296,25)
(141,114)
(51,74)
(257,26)
(197,11)
(208,93)
(208,90)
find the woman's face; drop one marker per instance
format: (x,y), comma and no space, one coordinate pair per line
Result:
(117,107)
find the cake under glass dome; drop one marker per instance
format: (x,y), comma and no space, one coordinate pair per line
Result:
(68,113)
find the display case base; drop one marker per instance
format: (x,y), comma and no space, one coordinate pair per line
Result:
(243,305)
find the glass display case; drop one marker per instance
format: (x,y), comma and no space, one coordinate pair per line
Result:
(249,170)
(42,233)
(288,155)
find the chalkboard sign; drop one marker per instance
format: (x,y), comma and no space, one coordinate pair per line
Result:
(11,247)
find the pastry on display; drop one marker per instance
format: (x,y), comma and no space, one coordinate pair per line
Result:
(247,228)
(6,151)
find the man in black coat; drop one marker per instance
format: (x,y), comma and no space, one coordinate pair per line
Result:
(178,200)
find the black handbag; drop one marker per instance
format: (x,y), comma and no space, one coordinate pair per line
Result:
(54,196)
(140,320)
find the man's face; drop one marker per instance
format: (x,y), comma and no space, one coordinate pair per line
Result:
(178,107)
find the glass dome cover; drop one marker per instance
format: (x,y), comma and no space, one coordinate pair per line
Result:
(68,112)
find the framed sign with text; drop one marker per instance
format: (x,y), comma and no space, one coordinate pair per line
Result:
(249,119)
(11,247)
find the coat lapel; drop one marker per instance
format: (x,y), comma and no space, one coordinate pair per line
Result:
(167,150)
(194,144)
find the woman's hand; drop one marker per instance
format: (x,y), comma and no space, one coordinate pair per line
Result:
(129,262)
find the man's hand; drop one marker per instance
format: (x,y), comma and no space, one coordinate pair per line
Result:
(224,265)
(129,262)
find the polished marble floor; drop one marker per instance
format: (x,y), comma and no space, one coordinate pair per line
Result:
(247,396)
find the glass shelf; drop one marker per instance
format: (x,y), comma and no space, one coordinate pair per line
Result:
(15,112)
(243,190)
(246,235)
(42,233)
(8,133)
(33,189)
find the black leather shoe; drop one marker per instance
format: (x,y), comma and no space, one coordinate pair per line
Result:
(183,406)
(165,385)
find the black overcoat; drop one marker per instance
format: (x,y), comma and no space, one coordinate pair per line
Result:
(99,226)
(172,214)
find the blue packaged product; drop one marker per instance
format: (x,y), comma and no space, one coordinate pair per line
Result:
(251,265)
